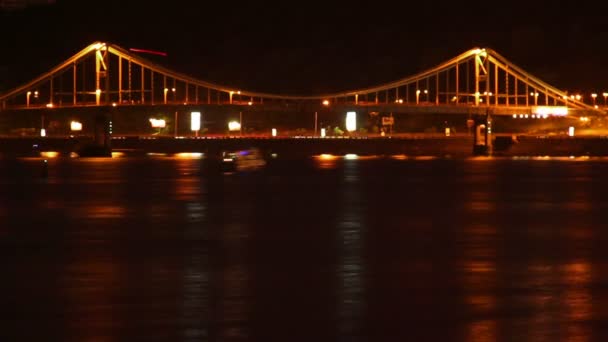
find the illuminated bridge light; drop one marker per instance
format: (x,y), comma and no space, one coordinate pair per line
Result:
(189,155)
(550,110)
(49,154)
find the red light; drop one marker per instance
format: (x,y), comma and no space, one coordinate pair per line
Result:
(149,51)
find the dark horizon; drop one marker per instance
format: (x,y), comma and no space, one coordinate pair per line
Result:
(310,49)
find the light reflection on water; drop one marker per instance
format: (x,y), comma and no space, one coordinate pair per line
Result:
(351,231)
(366,249)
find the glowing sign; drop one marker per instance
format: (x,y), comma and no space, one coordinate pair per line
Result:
(234,126)
(351,121)
(75,126)
(158,123)
(195,121)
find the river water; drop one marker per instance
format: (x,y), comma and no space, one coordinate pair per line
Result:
(321,248)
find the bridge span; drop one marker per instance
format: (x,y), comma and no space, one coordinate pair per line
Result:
(477,81)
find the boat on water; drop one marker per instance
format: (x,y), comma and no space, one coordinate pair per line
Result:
(243,160)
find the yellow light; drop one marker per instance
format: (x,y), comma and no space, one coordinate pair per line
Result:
(113,104)
(514,116)
(98,91)
(189,155)
(249,103)
(417,91)
(326,156)
(49,105)
(49,154)
(116,154)
(173,90)
(351,156)
(594,95)
(326,102)
(274,132)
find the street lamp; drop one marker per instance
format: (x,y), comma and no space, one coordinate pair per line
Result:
(417,96)
(593,96)
(27,100)
(165,94)
(535,94)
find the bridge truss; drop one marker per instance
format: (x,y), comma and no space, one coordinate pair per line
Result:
(107,75)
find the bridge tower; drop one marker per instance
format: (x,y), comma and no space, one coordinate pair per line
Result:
(102,73)
(482,77)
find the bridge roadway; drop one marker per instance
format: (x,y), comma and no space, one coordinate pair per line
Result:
(405,108)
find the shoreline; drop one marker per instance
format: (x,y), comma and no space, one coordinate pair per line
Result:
(454,146)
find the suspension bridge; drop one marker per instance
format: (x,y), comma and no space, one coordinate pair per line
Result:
(478,81)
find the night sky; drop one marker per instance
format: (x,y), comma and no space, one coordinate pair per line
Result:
(312,48)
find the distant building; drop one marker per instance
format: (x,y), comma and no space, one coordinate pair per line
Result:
(12,5)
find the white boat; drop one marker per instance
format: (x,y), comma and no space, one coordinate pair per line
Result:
(243,160)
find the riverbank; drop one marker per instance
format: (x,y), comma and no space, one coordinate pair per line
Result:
(455,146)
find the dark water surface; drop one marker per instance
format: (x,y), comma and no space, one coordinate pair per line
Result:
(373,249)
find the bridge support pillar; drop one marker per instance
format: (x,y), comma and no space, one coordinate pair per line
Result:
(101,145)
(482,135)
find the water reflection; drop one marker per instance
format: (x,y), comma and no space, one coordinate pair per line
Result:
(479,246)
(462,250)
(235,207)
(326,161)
(351,232)
(576,300)
(90,285)
(195,315)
